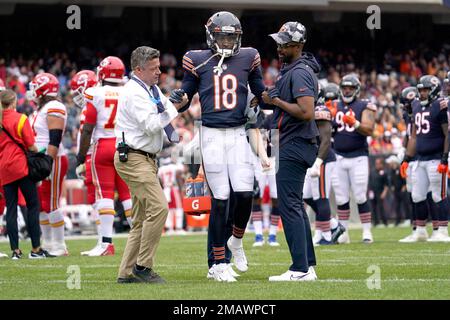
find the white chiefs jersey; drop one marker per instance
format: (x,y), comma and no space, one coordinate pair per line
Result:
(40,124)
(82,121)
(168,174)
(101,109)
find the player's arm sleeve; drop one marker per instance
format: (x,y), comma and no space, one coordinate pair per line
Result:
(256,83)
(58,112)
(190,80)
(147,116)
(443,116)
(90,114)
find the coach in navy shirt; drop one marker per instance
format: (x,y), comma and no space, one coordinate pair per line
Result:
(294,97)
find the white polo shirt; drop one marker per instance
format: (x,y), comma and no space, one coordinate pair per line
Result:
(138,117)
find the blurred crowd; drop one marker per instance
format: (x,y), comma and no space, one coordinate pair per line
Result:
(382,84)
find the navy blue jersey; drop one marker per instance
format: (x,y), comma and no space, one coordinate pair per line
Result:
(347,141)
(298,79)
(322,113)
(223,98)
(429,136)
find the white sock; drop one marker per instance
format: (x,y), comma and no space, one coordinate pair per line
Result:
(366,227)
(99,231)
(344,223)
(169,220)
(46,228)
(327,235)
(236,242)
(106,224)
(127,205)
(317,234)
(333,223)
(443,230)
(179,216)
(258,224)
(56,219)
(273,229)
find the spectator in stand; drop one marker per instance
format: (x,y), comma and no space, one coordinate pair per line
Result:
(14,174)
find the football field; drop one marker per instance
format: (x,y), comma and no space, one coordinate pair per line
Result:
(385,269)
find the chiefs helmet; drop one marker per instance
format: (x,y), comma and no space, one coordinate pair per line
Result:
(43,85)
(80,82)
(350,80)
(2,85)
(111,69)
(223,24)
(433,84)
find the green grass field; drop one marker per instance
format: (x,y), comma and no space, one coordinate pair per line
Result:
(408,271)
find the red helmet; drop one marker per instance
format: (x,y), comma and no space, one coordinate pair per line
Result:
(44,84)
(80,82)
(111,69)
(2,85)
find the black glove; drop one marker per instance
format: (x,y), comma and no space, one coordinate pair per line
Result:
(273,93)
(176,96)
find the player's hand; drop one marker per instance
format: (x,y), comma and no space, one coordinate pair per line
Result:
(401,154)
(442,168)
(443,104)
(270,94)
(403,169)
(349,118)
(176,96)
(332,107)
(266,165)
(183,102)
(314,171)
(80,159)
(273,93)
(81,171)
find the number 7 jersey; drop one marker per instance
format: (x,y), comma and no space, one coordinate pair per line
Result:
(101,109)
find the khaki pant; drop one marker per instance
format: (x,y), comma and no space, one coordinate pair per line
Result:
(149,212)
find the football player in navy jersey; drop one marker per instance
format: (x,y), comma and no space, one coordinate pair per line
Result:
(354,122)
(429,143)
(316,189)
(221,75)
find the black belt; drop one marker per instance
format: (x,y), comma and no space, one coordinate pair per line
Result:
(144,153)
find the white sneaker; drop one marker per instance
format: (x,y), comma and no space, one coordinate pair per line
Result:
(240,260)
(313,272)
(59,251)
(410,239)
(367,237)
(316,238)
(3,255)
(221,273)
(344,238)
(210,274)
(438,236)
(86,253)
(422,234)
(294,276)
(232,272)
(104,249)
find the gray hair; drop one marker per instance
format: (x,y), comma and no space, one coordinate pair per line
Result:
(141,55)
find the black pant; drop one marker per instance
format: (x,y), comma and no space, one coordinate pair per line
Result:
(290,179)
(29,191)
(378,210)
